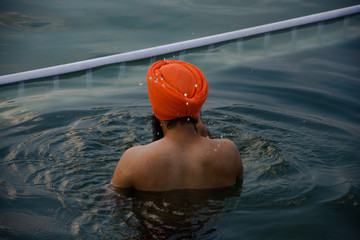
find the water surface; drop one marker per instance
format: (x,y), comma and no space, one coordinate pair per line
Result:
(292,108)
(36,34)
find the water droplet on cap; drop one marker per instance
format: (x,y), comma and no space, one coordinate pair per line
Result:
(185,94)
(187,103)
(195,85)
(150,77)
(156,80)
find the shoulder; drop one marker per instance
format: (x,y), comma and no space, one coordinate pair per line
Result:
(130,155)
(226,145)
(134,163)
(127,166)
(230,155)
(132,152)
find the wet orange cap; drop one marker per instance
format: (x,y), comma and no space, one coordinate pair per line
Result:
(176,89)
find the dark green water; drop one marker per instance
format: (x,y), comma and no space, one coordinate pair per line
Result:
(295,119)
(293,110)
(36,34)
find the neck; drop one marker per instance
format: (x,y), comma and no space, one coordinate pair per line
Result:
(179,131)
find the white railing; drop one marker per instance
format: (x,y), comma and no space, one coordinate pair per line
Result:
(179,46)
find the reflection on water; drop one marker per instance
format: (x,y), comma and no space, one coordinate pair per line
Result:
(186,214)
(294,118)
(37,34)
(70,157)
(75,152)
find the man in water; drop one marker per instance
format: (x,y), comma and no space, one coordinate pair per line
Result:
(183,154)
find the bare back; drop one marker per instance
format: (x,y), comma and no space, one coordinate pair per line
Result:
(191,163)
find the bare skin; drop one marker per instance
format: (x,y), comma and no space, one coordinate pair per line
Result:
(183,159)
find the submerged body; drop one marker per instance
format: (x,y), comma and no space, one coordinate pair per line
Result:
(182,159)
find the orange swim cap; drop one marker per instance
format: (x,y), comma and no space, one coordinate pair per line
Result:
(176,89)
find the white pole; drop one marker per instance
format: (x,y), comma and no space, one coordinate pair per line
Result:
(175,47)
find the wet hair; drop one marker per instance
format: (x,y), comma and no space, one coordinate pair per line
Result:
(157,132)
